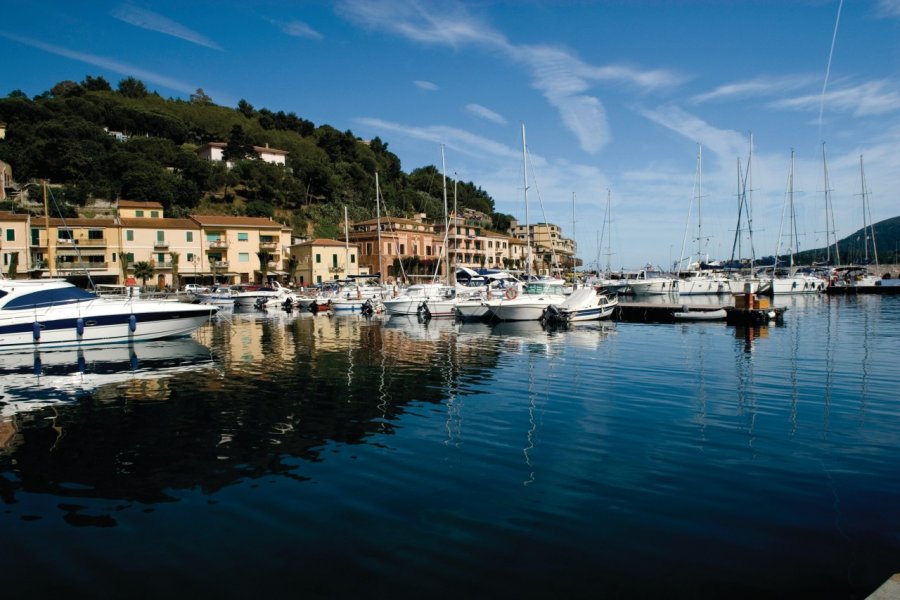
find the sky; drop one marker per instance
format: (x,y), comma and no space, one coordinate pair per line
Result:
(616,100)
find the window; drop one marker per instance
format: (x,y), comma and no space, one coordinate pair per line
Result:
(139,213)
(389,248)
(130,257)
(64,234)
(129,235)
(10,235)
(160,236)
(190,257)
(243,257)
(243,237)
(368,248)
(95,234)
(154,214)
(35,236)
(189,236)
(318,258)
(318,279)
(160,258)
(114,257)
(402,248)
(352,259)
(427,250)
(334,260)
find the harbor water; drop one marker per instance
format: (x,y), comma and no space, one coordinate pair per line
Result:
(319,456)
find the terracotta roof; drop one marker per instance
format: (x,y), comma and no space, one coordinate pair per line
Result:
(229,221)
(77,222)
(10,216)
(258,149)
(159,223)
(137,204)
(394,220)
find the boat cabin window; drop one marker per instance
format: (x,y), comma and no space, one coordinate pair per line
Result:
(45,298)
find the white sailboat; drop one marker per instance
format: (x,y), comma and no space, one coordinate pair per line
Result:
(791,281)
(695,280)
(529,303)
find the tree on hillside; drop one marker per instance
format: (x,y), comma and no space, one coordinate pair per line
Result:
(239,145)
(246,109)
(132,88)
(200,97)
(174,257)
(264,258)
(96,84)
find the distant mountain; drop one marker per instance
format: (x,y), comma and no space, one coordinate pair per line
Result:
(852,247)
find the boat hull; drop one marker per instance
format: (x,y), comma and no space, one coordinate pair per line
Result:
(98,323)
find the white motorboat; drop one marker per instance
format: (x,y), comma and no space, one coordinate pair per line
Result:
(702,283)
(584,304)
(527,306)
(274,292)
(219,296)
(53,312)
(411,300)
(650,282)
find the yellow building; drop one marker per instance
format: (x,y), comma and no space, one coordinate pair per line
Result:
(243,249)
(14,244)
(131,209)
(172,246)
(320,261)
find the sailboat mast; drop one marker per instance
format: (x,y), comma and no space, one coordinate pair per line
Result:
(346,243)
(527,226)
(699,199)
(378,229)
(573,240)
(867,215)
(793,225)
(830,231)
(446,221)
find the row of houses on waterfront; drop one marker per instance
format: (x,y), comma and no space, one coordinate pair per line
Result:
(232,249)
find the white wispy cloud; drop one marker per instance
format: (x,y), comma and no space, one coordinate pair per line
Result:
(761,86)
(723,142)
(460,140)
(426,85)
(296,28)
(562,77)
(888,8)
(485,113)
(152,21)
(864,100)
(106,63)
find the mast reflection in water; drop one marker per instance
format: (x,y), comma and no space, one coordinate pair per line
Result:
(338,456)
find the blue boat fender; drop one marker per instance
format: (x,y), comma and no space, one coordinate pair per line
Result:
(36,330)
(132,323)
(79,326)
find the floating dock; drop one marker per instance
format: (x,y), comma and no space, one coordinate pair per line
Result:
(654,312)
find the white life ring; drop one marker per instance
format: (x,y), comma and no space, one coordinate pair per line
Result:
(511,293)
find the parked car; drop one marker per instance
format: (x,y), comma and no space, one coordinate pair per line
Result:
(196,288)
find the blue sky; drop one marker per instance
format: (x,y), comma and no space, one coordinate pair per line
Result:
(615,97)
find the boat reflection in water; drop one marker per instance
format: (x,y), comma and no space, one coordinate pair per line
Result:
(31,380)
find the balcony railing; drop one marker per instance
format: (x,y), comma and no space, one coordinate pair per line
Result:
(76,267)
(335,269)
(91,242)
(220,264)
(161,244)
(268,246)
(218,244)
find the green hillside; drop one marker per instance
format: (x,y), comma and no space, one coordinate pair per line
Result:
(63,135)
(852,247)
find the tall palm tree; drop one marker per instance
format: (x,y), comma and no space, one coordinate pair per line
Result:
(175,256)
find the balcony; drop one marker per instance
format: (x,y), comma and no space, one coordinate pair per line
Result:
(74,268)
(164,266)
(219,264)
(160,245)
(273,264)
(268,246)
(217,244)
(335,269)
(93,243)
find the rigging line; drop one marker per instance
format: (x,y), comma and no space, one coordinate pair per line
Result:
(74,245)
(553,261)
(828,67)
